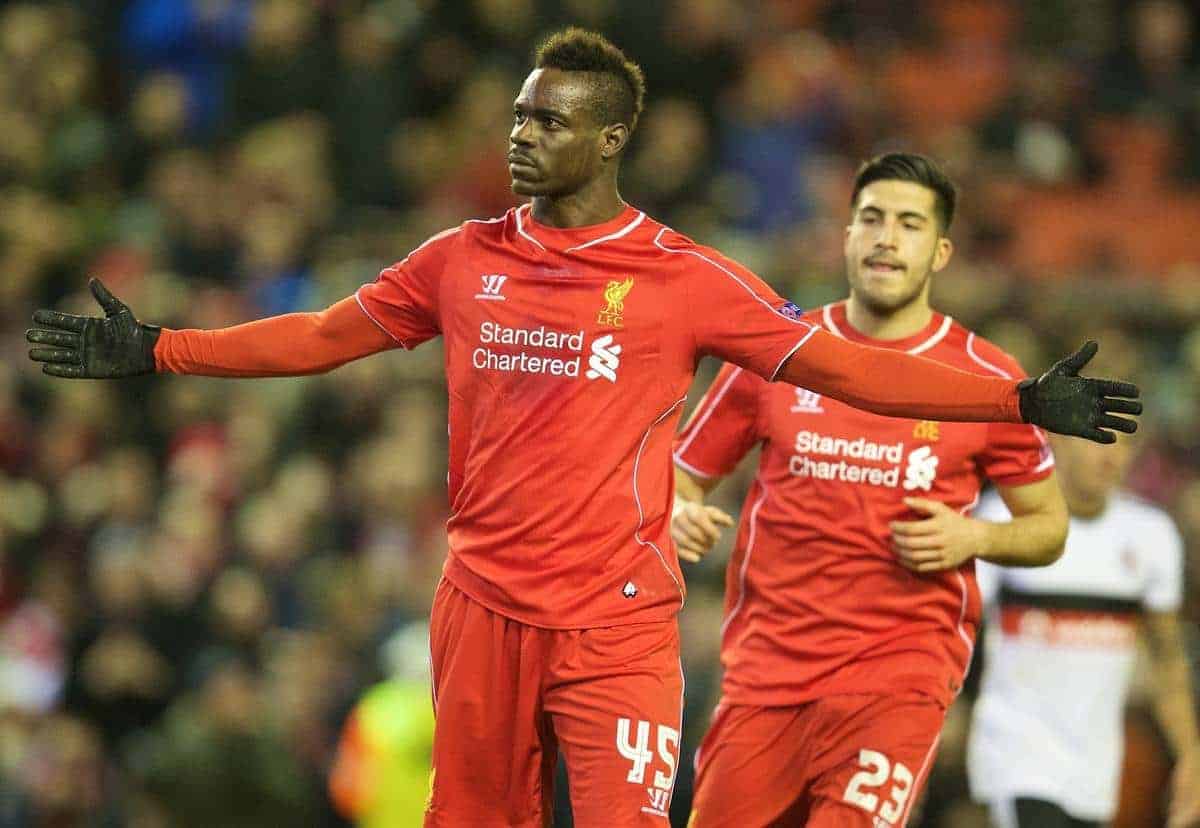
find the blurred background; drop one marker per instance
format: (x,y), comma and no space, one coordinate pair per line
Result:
(212,592)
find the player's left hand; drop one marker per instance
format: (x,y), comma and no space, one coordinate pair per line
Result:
(943,539)
(1185,792)
(93,347)
(696,528)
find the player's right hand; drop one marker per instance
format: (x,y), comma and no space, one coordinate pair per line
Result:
(1063,402)
(695,528)
(93,347)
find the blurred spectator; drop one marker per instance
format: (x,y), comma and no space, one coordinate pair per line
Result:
(380,776)
(215,760)
(193,40)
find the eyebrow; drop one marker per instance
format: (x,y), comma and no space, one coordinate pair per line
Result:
(907,214)
(539,112)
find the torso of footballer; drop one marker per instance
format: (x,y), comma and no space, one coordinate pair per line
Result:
(559,365)
(569,353)
(828,596)
(563,379)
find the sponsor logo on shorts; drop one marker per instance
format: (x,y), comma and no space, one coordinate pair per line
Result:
(659,800)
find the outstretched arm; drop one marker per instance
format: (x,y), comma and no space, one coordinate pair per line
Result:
(901,385)
(118,345)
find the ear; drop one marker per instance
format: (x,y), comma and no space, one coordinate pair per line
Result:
(941,257)
(613,139)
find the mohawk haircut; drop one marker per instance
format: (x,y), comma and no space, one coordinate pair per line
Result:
(618,85)
(918,169)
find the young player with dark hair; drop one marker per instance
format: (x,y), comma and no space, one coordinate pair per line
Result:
(851,604)
(572,327)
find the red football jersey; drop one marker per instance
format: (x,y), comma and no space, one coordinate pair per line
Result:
(816,600)
(568,356)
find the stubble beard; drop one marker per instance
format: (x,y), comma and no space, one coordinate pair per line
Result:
(887,305)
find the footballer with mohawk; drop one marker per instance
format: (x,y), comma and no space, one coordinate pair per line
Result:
(573,325)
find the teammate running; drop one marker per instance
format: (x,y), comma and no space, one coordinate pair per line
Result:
(572,327)
(1047,738)
(851,605)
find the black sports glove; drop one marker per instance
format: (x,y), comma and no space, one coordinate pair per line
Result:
(1062,401)
(91,347)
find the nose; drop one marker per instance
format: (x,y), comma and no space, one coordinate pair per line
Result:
(520,134)
(887,235)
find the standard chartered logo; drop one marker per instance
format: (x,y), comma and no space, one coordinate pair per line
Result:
(543,350)
(922,469)
(604,359)
(838,458)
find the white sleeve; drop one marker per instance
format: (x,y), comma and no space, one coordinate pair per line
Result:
(1164,581)
(989,577)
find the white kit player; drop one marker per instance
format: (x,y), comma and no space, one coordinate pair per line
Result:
(1046,741)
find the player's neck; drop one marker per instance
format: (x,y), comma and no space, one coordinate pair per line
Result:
(596,203)
(894,324)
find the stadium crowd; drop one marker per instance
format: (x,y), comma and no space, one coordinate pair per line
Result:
(199,578)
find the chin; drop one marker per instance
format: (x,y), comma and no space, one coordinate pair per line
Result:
(884,304)
(531,189)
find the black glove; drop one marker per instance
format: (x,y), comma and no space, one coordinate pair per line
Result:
(90,347)
(1063,402)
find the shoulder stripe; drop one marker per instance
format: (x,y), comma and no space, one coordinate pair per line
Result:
(521,227)
(706,408)
(624,231)
(658,243)
(827,318)
(378,324)
(690,469)
(796,347)
(937,337)
(971,353)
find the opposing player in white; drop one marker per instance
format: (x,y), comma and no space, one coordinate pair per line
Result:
(1046,740)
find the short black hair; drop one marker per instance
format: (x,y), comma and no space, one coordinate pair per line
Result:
(620,87)
(909,166)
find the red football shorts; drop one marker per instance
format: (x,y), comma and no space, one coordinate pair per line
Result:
(854,761)
(509,696)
